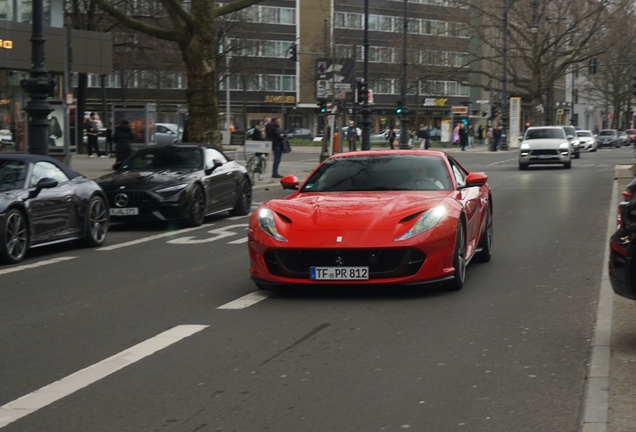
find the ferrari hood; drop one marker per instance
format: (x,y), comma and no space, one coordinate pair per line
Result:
(142,179)
(353,211)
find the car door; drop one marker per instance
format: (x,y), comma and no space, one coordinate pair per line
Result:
(53,214)
(220,183)
(164,135)
(471,201)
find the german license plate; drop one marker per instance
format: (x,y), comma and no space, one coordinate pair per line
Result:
(128,211)
(545,156)
(339,273)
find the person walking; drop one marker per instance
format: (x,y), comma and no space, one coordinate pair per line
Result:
(391,136)
(423,137)
(91,132)
(471,135)
(269,128)
(278,136)
(480,135)
(496,134)
(259,132)
(456,134)
(109,138)
(463,135)
(123,138)
(352,136)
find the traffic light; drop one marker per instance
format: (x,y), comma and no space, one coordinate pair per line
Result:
(323,107)
(398,110)
(592,66)
(634,85)
(293,52)
(493,112)
(363,92)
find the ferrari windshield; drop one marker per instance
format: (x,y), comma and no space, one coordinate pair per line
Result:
(380,173)
(170,157)
(547,133)
(12,174)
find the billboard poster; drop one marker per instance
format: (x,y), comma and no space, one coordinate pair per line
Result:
(57,129)
(333,79)
(446,131)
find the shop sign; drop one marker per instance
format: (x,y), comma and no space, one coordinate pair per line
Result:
(280,99)
(435,102)
(460,110)
(6,44)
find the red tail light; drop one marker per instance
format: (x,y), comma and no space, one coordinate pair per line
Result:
(627,195)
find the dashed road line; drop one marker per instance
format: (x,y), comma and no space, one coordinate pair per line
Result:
(59,389)
(34,265)
(247,300)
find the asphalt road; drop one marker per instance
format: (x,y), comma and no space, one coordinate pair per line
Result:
(507,353)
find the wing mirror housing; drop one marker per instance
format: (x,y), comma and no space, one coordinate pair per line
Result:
(45,183)
(476,179)
(217,163)
(290,182)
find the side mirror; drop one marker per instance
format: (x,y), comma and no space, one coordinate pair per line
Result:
(217,163)
(570,137)
(45,183)
(476,179)
(290,182)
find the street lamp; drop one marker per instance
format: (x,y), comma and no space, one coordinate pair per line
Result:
(38,85)
(504,79)
(404,117)
(366,111)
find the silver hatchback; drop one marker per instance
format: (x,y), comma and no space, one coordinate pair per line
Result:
(545,145)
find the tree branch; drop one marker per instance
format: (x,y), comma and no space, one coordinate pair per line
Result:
(161,33)
(235,6)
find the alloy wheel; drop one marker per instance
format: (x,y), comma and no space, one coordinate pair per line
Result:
(16,236)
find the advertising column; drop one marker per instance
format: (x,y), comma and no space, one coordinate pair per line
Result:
(515,122)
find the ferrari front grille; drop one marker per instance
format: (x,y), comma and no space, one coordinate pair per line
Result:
(382,263)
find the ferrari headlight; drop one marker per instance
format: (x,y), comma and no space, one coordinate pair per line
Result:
(525,146)
(564,145)
(267,223)
(171,190)
(427,221)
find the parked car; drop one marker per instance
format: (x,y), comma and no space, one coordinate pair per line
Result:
(166,133)
(420,218)
(545,145)
(608,138)
(177,182)
(380,137)
(632,135)
(624,138)
(587,140)
(622,262)
(299,134)
(570,132)
(435,134)
(43,202)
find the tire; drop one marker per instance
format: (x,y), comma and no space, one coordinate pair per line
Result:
(485,243)
(14,237)
(244,201)
(459,259)
(96,223)
(567,165)
(523,166)
(577,156)
(197,207)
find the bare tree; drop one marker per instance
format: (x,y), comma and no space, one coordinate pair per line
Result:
(545,39)
(195,30)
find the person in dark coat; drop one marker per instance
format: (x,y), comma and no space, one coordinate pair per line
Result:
(463,136)
(278,136)
(122,137)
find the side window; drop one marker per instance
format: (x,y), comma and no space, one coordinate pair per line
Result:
(458,173)
(46,170)
(211,154)
(161,129)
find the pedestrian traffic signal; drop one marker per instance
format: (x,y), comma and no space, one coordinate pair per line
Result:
(634,85)
(363,92)
(293,52)
(398,110)
(323,107)
(592,66)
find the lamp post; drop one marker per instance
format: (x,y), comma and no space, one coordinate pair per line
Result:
(404,116)
(366,111)
(38,85)
(504,78)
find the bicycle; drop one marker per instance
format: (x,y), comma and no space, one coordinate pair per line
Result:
(257,165)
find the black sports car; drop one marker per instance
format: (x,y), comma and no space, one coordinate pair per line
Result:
(622,262)
(42,201)
(177,182)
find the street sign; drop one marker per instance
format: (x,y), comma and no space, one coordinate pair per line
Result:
(460,110)
(69,98)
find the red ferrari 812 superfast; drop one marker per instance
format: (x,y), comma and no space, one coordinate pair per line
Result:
(401,217)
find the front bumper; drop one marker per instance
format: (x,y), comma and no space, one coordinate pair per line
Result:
(544,156)
(151,206)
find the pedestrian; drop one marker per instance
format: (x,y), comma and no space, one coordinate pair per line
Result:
(185,136)
(391,136)
(109,138)
(278,136)
(456,134)
(463,135)
(496,134)
(92,130)
(423,137)
(489,138)
(123,138)
(352,136)
(471,135)
(480,135)
(259,132)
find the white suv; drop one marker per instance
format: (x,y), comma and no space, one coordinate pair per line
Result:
(545,145)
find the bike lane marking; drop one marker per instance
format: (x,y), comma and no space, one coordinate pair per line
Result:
(154,237)
(34,265)
(219,233)
(46,395)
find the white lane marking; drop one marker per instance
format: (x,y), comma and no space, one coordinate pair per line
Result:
(219,233)
(34,265)
(500,162)
(247,300)
(154,237)
(59,389)
(239,241)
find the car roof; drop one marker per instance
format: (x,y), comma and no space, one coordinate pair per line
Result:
(416,152)
(31,158)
